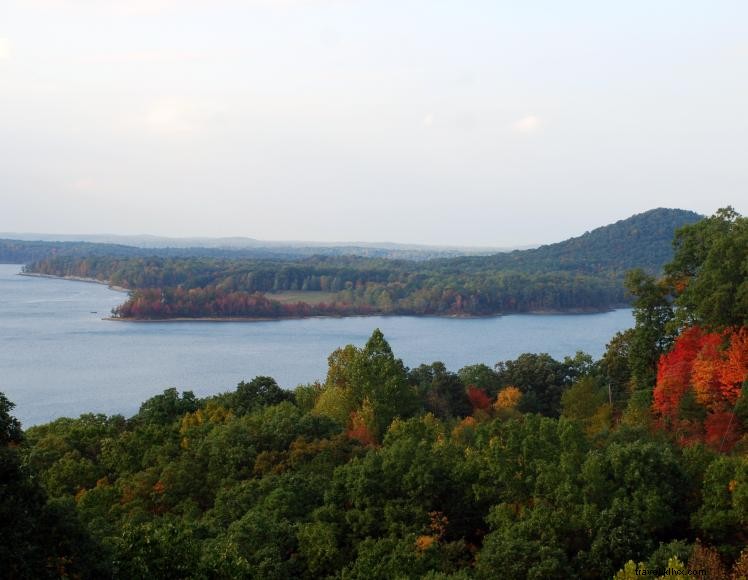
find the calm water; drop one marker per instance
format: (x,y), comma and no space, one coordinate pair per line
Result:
(58,358)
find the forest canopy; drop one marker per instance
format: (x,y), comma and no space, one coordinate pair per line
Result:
(530,468)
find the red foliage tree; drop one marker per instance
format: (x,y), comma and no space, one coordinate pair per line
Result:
(478,398)
(713,366)
(705,375)
(674,372)
(721,429)
(358,429)
(734,369)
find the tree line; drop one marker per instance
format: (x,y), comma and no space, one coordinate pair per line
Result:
(584,273)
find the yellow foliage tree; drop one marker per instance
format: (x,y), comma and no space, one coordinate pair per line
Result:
(508,398)
(212,413)
(337,403)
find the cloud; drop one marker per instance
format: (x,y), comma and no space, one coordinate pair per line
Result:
(146,57)
(528,124)
(4,49)
(179,116)
(428,120)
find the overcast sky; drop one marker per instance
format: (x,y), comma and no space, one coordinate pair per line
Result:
(463,122)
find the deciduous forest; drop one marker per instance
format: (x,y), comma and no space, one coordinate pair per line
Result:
(532,468)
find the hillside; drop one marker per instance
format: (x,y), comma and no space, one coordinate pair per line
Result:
(641,241)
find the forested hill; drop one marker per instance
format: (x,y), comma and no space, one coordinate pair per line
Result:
(641,241)
(581,273)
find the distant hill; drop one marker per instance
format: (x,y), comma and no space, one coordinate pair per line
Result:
(241,243)
(641,241)
(25,247)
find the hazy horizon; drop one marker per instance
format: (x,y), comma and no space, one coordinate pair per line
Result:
(435,123)
(143,238)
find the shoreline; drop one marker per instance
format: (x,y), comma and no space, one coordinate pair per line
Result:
(549,312)
(76,279)
(213,319)
(280,318)
(574,312)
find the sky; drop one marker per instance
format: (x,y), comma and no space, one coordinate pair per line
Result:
(474,123)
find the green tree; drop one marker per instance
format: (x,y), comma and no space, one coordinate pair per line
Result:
(318,545)
(722,519)
(306,396)
(165,549)
(529,471)
(258,392)
(615,364)
(10,427)
(482,376)
(167,407)
(709,271)
(587,402)
(541,379)
(634,492)
(442,392)
(40,539)
(652,335)
(371,374)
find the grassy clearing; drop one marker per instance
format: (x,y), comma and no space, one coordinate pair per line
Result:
(311,297)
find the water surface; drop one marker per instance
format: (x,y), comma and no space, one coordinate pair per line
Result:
(59,358)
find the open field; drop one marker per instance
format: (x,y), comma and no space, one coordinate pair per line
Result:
(310,297)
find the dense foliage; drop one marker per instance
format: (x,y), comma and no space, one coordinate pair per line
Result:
(709,273)
(41,536)
(581,273)
(533,468)
(699,385)
(698,394)
(384,471)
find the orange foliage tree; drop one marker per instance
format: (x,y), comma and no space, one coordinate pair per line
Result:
(362,424)
(508,398)
(713,367)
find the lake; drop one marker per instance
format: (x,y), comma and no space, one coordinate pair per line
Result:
(59,358)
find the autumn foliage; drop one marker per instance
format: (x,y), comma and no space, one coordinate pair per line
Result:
(359,430)
(706,371)
(508,398)
(478,398)
(212,301)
